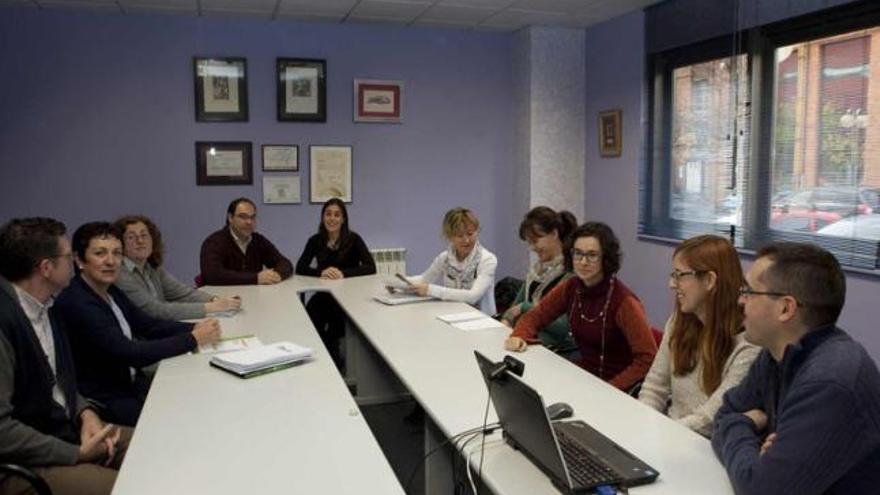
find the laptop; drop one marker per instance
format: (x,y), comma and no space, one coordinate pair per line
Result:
(576,457)
(400,298)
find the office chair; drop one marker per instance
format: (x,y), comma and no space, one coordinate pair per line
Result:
(34,479)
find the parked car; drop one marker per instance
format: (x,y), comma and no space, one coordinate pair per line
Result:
(802,220)
(865,227)
(843,201)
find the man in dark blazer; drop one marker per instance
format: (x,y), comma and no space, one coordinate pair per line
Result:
(237,255)
(44,423)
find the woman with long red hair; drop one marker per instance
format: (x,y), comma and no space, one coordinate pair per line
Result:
(703,352)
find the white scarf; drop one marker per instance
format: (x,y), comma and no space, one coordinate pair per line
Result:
(462,278)
(544,273)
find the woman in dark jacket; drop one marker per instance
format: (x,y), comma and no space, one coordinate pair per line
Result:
(110,337)
(335,252)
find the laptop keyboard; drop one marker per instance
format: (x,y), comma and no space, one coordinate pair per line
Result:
(585,469)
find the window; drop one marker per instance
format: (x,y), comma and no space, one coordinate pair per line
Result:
(814,172)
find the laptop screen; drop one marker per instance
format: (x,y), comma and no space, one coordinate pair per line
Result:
(523,417)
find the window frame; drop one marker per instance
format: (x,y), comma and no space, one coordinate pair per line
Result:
(759,44)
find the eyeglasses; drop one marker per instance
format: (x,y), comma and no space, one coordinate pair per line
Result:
(245,217)
(746,291)
(591,256)
(137,237)
(677,275)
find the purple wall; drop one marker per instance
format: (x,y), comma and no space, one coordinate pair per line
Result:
(98,121)
(612,183)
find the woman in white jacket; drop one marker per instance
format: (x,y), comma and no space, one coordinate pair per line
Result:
(466,270)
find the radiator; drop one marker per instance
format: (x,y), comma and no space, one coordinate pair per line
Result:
(389,260)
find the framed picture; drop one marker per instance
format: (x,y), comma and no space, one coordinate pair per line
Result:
(610,137)
(221,89)
(223,163)
(277,157)
(302,90)
(378,101)
(330,173)
(281,189)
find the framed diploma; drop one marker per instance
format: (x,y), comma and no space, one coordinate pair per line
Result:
(302,90)
(280,157)
(378,101)
(221,89)
(329,173)
(281,189)
(223,163)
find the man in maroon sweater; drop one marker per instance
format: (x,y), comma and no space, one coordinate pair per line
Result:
(236,255)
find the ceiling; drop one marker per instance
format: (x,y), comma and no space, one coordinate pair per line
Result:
(492,15)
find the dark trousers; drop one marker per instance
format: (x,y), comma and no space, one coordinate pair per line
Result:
(329,319)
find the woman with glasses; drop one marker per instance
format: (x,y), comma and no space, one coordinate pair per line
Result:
(703,352)
(110,338)
(152,289)
(545,231)
(334,253)
(607,320)
(465,271)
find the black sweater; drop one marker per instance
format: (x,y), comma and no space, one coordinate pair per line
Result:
(353,259)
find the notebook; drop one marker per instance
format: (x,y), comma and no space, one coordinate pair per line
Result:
(400,298)
(575,457)
(261,360)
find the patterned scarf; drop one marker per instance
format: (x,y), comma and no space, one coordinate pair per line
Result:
(544,273)
(462,278)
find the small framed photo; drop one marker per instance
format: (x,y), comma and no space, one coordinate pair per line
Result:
(281,189)
(223,163)
(302,90)
(378,101)
(280,157)
(221,89)
(330,173)
(610,137)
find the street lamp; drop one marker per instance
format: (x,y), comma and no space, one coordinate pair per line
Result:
(854,121)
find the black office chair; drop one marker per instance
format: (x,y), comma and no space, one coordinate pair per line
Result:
(34,479)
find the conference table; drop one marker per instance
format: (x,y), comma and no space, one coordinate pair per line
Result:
(300,430)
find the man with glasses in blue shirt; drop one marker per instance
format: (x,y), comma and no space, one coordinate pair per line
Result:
(806,419)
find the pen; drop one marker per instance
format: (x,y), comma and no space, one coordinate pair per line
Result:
(401,277)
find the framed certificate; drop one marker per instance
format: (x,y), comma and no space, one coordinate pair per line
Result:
(280,157)
(330,173)
(281,189)
(302,90)
(221,89)
(223,163)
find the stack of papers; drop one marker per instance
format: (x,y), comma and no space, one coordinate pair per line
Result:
(261,360)
(229,344)
(400,298)
(470,320)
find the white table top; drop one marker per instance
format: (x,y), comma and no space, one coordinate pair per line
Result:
(204,431)
(436,363)
(295,431)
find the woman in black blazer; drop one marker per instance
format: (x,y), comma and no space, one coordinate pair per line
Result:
(335,252)
(112,339)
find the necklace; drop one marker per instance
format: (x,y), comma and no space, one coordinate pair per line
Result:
(603,315)
(580,305)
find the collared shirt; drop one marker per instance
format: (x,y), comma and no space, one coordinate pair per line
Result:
(141,272)
(123,324)
(38,314)
(242,243)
